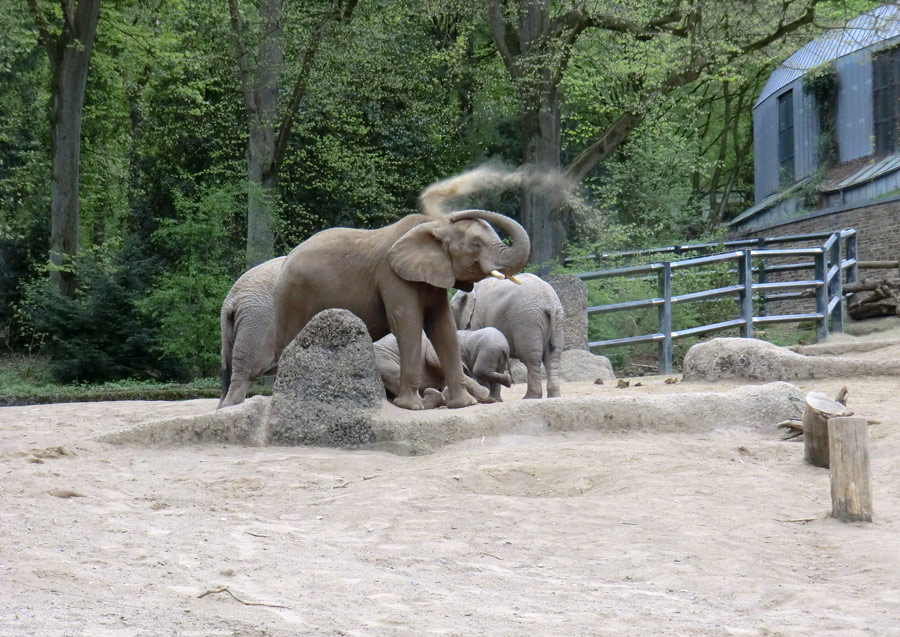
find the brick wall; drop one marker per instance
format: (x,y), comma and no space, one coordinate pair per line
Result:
(878,238)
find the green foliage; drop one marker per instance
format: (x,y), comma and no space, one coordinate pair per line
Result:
(96,335)
(184,301)
(405,94)
(648,188)
(26,380)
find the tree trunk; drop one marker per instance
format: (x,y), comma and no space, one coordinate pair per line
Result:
(69,55)
(261,170)
(542,214)
(262,181)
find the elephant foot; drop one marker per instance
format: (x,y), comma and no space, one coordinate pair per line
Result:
(553,393)
(409,401)
(531,395)
(432,398)
(463,400)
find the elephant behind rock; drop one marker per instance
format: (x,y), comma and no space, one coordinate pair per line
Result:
(396,279)
(248,331)
(529,315)
(387,360)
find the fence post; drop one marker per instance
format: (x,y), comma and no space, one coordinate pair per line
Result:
(821,296)
(665,319)
(763,277)
(836,286)
(745,278)
(853,274)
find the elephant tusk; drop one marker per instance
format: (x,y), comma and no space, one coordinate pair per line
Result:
(514,279)
(497,274)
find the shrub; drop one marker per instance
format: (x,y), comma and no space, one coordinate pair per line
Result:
(185,301)
(97,335)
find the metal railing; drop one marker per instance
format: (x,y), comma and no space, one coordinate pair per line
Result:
(828,262)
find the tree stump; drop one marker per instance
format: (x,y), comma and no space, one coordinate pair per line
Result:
(851,480)
(819,408)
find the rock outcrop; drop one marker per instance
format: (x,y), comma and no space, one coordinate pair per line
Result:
(572,294)
(327,387)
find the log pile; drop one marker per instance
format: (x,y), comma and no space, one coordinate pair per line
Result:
(871,299)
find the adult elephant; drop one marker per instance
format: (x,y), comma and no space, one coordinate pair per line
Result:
(248,331)
(530,316)
(396,279)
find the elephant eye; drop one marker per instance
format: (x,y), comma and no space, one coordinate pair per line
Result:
(475,244)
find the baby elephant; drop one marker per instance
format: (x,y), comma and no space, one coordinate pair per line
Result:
(529,315)
(387,361)
(485,357)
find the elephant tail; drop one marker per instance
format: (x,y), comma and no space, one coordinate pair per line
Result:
(227,324)
(556,340)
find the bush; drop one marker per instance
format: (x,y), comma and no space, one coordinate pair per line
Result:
(97,335)
(185,301)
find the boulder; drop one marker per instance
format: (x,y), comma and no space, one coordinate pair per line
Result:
(753,359)
(572,293)
(575,365)
(327,387)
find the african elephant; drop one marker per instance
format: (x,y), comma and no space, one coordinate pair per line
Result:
(485,354)
(395,279)
(529,315)
(387,361)
(248,331)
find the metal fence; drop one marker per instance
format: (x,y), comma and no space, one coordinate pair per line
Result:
(829,262)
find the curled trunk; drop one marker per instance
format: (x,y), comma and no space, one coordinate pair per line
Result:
(508,258)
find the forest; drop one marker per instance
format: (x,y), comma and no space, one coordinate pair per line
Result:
(151,152)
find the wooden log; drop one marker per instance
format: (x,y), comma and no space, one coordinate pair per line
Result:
(819,408)
(878,265)
(851,479)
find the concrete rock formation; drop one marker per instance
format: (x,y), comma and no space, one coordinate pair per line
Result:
(572,294)
(753,359)
(575,365)
(327,387)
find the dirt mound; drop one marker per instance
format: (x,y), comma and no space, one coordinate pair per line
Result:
(756,360)
(419,432)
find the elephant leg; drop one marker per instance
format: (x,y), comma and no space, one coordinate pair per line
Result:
(409,342)
(441,331)
(553,353)
(551,363)
(476,390)
(495,392)
(249,338)
(532,361)
(237,390)
(432,398)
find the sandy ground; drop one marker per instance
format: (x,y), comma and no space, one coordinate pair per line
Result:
(640,533)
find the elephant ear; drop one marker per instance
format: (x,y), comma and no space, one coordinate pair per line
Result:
(468,309)
(419,256)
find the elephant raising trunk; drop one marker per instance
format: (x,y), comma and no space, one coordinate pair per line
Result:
(508,259)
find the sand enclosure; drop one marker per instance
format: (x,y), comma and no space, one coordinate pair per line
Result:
(707,525)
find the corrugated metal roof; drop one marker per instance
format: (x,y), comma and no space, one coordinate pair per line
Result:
(768,202)
(868,29)
(867,173)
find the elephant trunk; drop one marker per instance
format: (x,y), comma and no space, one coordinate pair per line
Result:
(509,259)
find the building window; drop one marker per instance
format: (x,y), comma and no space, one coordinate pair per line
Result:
(886,97)
(786,139)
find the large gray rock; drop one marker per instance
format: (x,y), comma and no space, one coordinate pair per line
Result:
(575,366)
(327,387)
(753,359)
(572,294)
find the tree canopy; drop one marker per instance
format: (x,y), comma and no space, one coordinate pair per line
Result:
(150,152)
